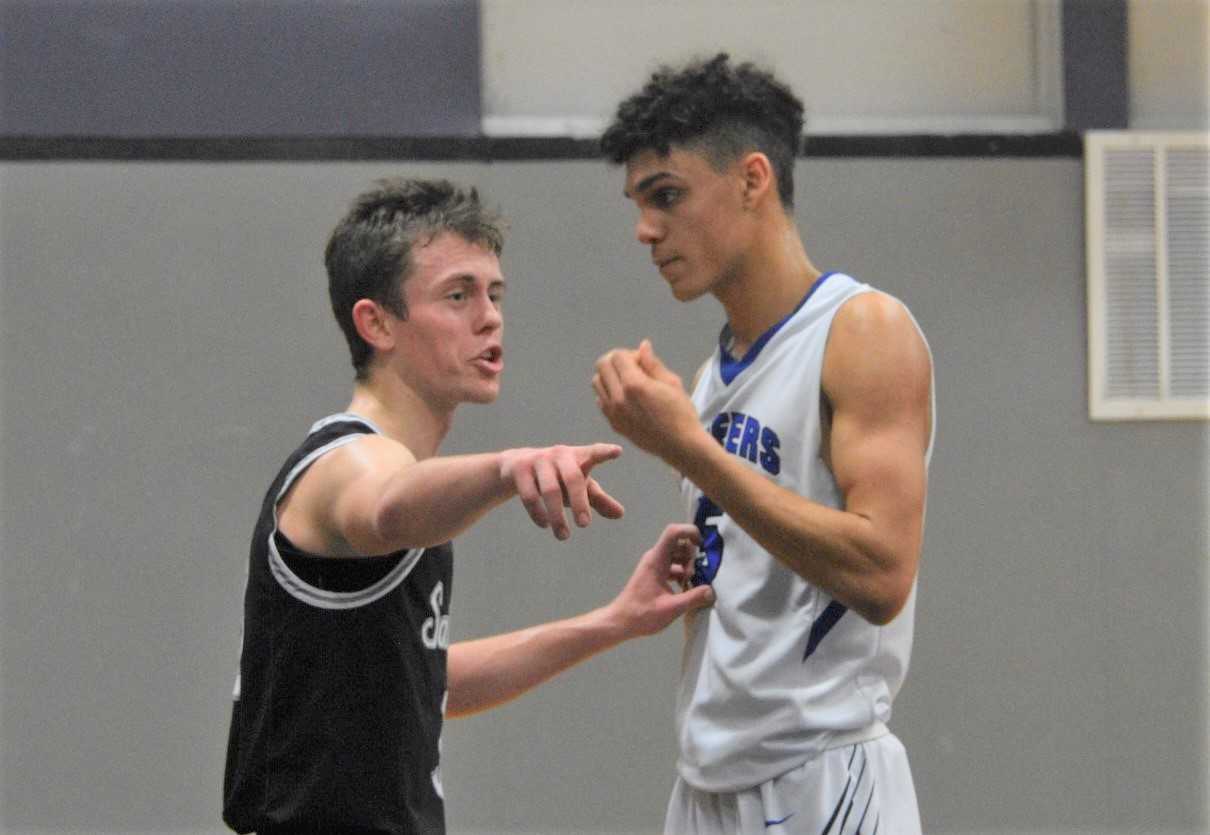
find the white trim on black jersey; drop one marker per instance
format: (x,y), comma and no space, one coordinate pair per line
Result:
(344,417)
(294,585)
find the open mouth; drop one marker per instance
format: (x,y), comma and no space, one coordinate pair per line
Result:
(491,360)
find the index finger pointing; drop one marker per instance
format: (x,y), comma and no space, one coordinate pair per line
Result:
(575,490)
(592,454)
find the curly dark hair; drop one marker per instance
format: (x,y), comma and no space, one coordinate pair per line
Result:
(369,254)
(714,107)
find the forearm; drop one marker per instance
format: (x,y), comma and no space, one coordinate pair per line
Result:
(433,500)
(843,552)
(487,672)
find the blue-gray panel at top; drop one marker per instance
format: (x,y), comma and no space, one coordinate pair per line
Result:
(205,68)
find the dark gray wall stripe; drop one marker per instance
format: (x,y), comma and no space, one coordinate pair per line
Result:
(220,149)
(1095,82)
(215,68)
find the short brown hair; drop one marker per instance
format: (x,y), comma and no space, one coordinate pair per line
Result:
(369,253)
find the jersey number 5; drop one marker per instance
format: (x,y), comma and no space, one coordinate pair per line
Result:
(710,555)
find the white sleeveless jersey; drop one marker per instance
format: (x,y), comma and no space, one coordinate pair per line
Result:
(776,670)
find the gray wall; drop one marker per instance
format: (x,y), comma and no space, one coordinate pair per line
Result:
(220,68)
(165,341)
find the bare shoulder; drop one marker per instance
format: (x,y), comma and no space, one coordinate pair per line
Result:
(306,513)
(359,458)
(367,454)
(876,355)
(876,326)
(874,315)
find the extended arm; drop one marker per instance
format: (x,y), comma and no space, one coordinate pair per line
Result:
(488,672)
(876,378)
(373,497)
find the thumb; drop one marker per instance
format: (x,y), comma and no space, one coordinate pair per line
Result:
(698,598)
(647,358)
(652,364)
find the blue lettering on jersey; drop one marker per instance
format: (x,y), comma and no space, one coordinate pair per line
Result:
(747,447)
(710,554)
(743,435)
(737,426)
(718,428)
(769,459)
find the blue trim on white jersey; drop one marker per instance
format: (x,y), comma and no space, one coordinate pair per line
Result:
(823,625)
(729,367)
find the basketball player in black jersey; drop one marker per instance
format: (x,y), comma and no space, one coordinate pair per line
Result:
(346,669)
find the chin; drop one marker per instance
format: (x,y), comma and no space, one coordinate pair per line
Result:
(483,395)
(685,292)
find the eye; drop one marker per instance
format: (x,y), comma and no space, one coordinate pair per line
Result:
(665,197)
(457,296)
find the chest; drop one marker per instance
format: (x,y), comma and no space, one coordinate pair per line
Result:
(772,413)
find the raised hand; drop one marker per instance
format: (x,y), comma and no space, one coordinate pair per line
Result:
(547,479)
(644,401)
(657,592)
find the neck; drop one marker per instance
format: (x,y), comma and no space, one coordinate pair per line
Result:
(401,413)
(768,285)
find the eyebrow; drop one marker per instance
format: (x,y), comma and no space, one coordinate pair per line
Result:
(646,183)
(468,278)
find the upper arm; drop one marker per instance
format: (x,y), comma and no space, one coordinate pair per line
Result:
(877,378)
(332,510)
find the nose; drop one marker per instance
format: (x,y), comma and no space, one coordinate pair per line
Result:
(647,230)
(490,316)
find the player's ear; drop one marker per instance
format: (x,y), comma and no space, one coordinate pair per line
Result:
(374,324)
(758,178)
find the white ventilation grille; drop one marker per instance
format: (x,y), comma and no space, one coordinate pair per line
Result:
(1148,238)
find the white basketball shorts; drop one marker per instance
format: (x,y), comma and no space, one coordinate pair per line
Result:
(864,788)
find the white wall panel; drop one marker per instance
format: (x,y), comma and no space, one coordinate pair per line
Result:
(885,66)
(1168,65)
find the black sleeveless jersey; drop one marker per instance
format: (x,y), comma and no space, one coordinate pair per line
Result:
(338,708)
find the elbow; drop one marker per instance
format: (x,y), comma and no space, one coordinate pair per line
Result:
(888,589)
(880,613)
(885,603)
(457,710)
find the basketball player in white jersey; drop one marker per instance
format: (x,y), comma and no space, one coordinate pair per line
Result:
(804,448)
